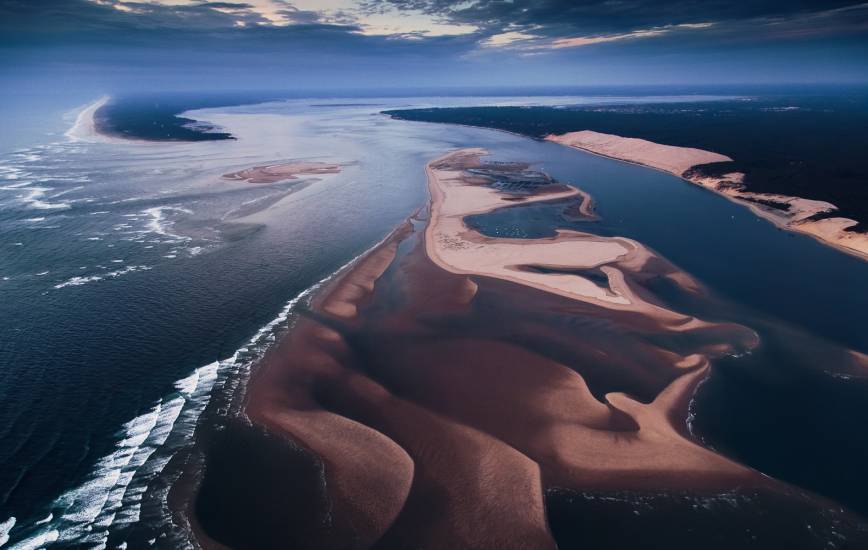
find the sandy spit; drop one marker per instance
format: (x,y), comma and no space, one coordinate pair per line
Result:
(682,161)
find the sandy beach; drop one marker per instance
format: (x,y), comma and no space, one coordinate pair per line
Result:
(791,213)
(84,128)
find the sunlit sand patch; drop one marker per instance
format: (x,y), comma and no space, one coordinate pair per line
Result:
(273,173)
(458,249)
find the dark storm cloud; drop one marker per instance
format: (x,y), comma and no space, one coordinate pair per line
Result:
(595,17)
(206,25)
(226,42)
(74,23)
(140,43)
(46,22)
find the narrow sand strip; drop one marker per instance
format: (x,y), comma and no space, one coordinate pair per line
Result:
(682,162)
(84,128)
(274,173)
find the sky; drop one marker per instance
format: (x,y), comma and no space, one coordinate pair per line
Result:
(402,44)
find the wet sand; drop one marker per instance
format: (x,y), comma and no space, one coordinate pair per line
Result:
(440,396)
(791,213)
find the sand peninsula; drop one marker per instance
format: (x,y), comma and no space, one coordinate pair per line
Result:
(450,390)
(791,213)
(85,128)
(273,173)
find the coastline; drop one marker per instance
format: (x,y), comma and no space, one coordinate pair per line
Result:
(420,405)
(829,231)
(84,128)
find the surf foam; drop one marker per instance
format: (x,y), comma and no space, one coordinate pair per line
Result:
(111,495)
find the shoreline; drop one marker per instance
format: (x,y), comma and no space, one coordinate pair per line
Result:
(412,404)
(828,231)
(453,246)
(84,128)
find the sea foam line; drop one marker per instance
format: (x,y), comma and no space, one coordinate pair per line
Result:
(158,223)
(78,281)
(111,495)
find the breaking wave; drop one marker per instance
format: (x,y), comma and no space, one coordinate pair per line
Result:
(110,498)
(78,281)
(160,225)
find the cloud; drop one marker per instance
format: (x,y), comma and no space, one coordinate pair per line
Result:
(303,42)
(577,41)
(509,21)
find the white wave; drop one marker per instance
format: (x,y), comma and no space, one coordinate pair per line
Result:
(9,171)
(5,527)
(78,281)
(28,155)
(36,542)
(158,223)
(111,495)
(74,179)
(34,196)
(64,192)
(35,220)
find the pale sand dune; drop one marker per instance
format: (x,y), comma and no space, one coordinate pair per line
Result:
(456,248)
(675,160)
(680,161)
(274,173)
(833,230)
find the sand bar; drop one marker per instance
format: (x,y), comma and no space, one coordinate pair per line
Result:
(458,249)
(273,173)
(791,213)
(84,128)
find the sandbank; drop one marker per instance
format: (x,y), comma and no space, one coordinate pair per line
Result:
(273,173)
